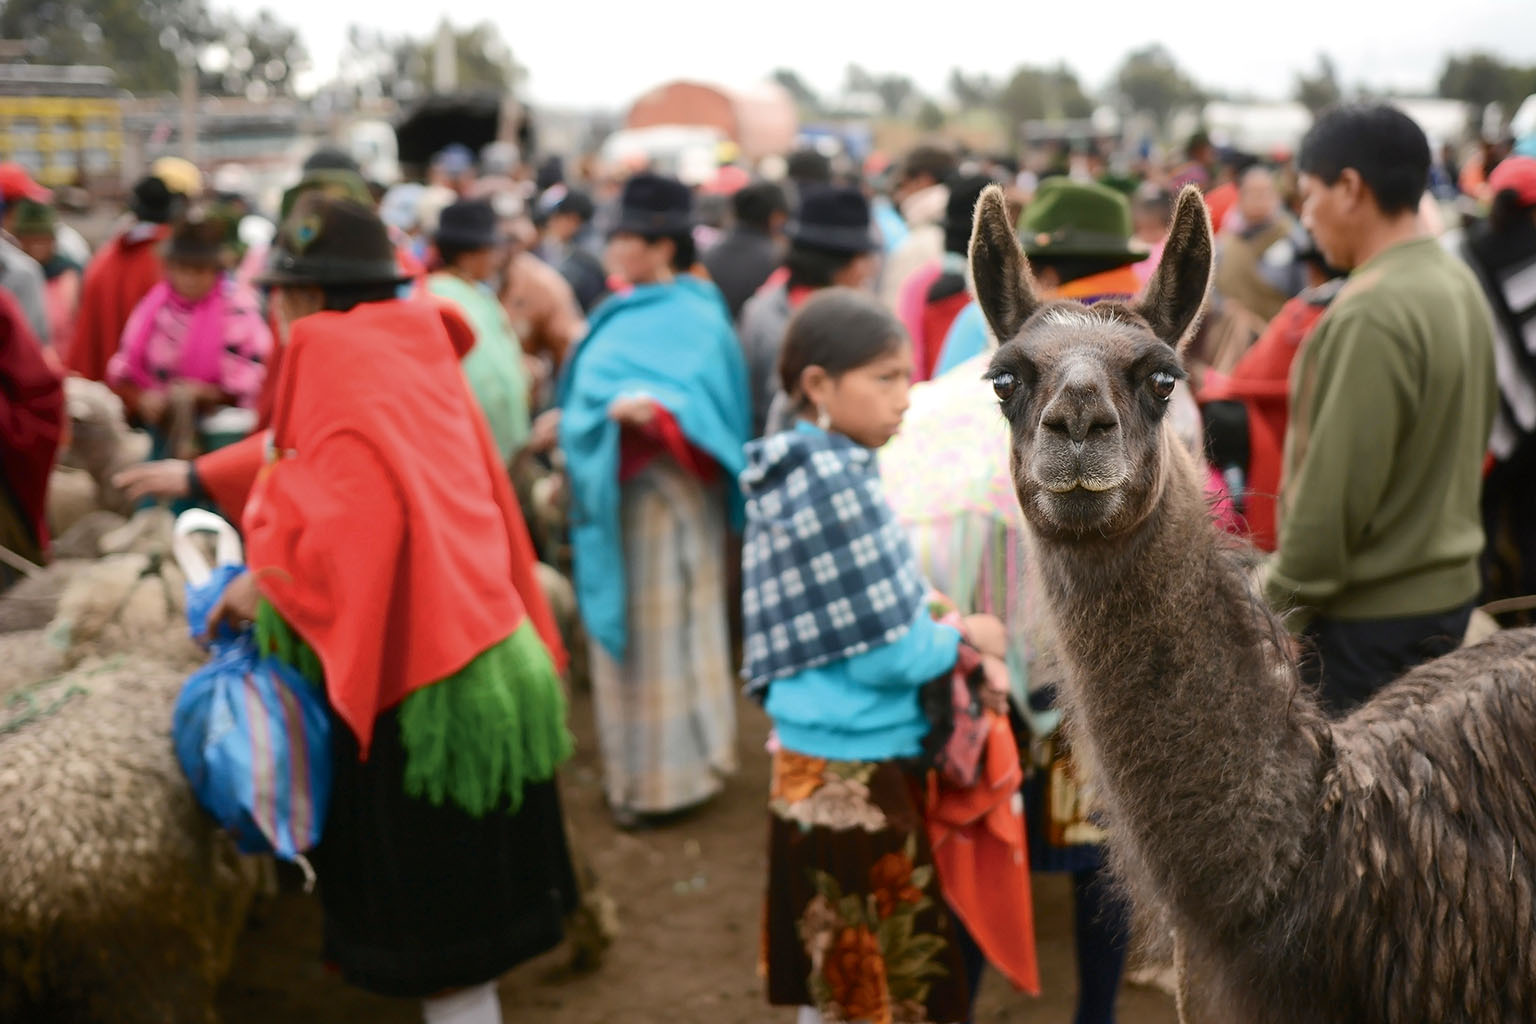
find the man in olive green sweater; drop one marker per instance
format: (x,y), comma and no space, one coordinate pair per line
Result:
(1392,400)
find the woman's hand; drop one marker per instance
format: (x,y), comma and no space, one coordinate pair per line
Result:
(545,433)
(994,695)
(986,633)
(236,607)
(166,480)
(637,411)
(152,407)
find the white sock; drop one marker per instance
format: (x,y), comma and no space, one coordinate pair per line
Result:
(477,1005)
(808,1015)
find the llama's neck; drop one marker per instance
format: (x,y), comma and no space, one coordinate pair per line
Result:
(1206,755)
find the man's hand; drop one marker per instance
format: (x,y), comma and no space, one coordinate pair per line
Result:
(166,480)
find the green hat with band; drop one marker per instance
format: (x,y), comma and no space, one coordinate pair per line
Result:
(33,218)
(1079,221)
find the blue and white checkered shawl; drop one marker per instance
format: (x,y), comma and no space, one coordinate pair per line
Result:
(827,571)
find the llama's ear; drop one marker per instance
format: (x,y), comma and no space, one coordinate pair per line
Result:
(1004,290)
(1175,296)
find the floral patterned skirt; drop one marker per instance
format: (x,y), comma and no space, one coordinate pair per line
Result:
(855,924)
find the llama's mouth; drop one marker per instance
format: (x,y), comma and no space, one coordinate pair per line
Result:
(1082,484)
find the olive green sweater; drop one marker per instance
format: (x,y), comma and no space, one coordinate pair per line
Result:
(1392,399)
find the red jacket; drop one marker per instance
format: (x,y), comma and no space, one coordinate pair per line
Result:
(1261,380)
(31,420)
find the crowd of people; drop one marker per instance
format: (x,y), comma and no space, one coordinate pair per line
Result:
(761,446)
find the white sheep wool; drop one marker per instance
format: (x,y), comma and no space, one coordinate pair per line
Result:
(477,1005)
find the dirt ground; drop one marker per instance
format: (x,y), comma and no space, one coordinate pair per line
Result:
(688,897)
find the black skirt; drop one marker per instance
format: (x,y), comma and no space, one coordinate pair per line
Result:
(421,898)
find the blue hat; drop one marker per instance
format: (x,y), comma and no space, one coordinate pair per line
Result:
(454,159)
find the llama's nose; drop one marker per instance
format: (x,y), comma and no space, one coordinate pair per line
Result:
(1079,409)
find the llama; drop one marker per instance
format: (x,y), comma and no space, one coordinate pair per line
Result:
(1370,870)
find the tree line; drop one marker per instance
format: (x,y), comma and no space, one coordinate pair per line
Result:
(1149,81)
(147,42)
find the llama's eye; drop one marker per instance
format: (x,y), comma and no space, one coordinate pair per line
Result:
(1004,384)
(1162,383)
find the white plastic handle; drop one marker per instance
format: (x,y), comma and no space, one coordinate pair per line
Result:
(194,566)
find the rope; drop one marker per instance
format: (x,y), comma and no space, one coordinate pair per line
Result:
(31,712)
(26,698)
(1510,604)
(21,565)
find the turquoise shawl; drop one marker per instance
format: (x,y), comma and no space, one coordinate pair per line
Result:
(673,343)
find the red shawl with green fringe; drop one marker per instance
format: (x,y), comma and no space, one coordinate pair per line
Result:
(385,531)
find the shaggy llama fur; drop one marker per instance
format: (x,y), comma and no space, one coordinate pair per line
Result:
(1373,870)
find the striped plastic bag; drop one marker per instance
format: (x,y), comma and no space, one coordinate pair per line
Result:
(252,735)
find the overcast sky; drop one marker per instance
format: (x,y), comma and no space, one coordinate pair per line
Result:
(606,52)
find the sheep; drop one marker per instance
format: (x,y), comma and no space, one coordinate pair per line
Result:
(120,900)
(100,445)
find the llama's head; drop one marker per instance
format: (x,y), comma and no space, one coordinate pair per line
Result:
(1085,388)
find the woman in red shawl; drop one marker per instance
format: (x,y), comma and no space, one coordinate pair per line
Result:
(389,561)
(31,424)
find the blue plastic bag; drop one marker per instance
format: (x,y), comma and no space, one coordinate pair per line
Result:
(252,735)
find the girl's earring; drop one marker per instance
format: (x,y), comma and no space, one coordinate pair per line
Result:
(823,418)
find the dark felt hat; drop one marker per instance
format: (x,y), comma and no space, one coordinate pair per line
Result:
(331,158)
(835,218)
(199,239)
(467,224)
(1078,220)
(654,206)
(329,241)
(964,192)
(152,202)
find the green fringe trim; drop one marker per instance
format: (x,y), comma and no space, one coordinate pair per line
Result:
(475,738)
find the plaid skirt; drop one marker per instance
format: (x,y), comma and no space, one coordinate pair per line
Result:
(666,715)
(854,923)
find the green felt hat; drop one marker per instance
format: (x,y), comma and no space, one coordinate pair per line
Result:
(33,218)
(1081,221)
(335,183)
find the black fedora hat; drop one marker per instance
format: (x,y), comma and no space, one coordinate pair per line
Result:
(152,202)
(964,193)
(468,224)
(328,241)
(835,218)
(654,206)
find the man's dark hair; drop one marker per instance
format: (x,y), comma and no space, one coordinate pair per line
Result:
(576,203)
(755,205)
(934,161)
(450,253)
(810,267)
(808,167)
(1384,146)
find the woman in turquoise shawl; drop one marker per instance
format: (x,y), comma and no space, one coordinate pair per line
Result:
(653,416)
